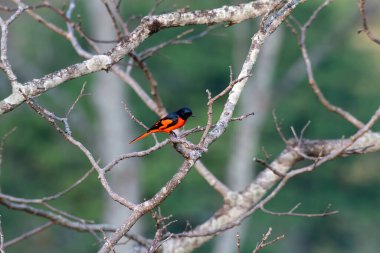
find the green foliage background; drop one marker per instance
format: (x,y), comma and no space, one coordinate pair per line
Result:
(37,161)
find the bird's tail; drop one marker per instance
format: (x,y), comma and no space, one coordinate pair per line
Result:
(140,137)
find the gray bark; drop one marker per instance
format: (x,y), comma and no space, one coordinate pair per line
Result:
(257,98)
(114,128)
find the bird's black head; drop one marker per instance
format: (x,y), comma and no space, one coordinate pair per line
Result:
(184,113)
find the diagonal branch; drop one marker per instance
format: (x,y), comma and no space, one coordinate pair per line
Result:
(270,22)
(28,234)
(65,222)
(310,73)
(5,65)
(365,28)
(264,241)
(45,114)
(49,198)
(212,180)
(148,26)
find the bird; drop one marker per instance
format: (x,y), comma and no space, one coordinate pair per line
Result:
(168,123)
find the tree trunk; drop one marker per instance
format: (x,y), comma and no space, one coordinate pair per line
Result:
(114,127)
(256,98)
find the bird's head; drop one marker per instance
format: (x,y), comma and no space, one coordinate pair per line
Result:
(185,113)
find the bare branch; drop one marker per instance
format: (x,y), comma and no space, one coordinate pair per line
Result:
(211,179)
(292,213)
(271,21)
(263,243)
(209,118)
(146,152)
(235,209)
(148,205)
(28,234)
(365,28)
(317,91)
(81,94)
(242,117)
(153,83)
(5,65)
(133,117)
(210,102)
(238,242)
(66,214)
(175,41)
(49,198)
(71,34)
(78,226)
(45,114)
(279,128)
(2,142)
(113,19)
(200,129)
(268,166)
(249,200)
(315,13)
(161,230)
(148,26)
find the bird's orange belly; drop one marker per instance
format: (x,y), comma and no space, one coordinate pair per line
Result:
(179,124)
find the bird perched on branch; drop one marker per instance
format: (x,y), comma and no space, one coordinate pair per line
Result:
(168,123)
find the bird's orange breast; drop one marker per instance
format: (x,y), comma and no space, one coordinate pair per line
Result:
(179,124)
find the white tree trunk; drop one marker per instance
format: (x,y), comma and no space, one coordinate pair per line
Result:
(256,98)
(114,127)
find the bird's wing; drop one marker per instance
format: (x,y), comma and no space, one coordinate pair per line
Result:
(165,122)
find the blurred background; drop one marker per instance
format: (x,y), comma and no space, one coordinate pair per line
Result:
(38,162)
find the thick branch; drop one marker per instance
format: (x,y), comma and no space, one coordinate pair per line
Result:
(240,204)
(148,26)
(60,220)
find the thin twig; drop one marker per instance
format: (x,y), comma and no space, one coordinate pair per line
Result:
(70,31)
(292,213)
(134,118)
(229,87)
(123,24)
(146,152)
(161,230)
(309,70)
(212,100)
(45,114)
(5,64)
(175,41)
(113,19)
(2,142)
(81,94)
(28,234)
(279,128)
(152,81)
(263,243)
(268,166)
(242,117)
(365,28)
(49,198)
(200,129)
(299,142)
(62,221)
(66,214)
